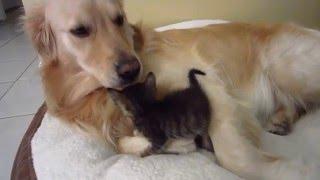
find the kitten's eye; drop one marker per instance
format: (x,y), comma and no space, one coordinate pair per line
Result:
(81,31)
(119,20)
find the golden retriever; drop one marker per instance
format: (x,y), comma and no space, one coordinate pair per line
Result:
(253,71)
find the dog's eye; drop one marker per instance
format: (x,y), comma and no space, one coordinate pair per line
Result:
(81,31)
(119,20)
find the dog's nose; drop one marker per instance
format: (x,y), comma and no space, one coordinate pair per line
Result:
(129,69)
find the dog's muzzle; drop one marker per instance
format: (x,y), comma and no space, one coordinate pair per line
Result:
(128,70)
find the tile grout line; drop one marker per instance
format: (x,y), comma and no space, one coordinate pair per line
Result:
(6,82)
(14,82)
(9,117)
(10,87)
(15,37)
(34,59)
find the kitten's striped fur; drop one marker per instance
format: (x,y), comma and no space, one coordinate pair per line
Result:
(181,114)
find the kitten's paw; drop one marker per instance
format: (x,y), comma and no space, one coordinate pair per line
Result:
(182,146)
(208,154)
(137,145)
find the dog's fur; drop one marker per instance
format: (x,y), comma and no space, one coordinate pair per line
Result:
(181,114)
(263,71)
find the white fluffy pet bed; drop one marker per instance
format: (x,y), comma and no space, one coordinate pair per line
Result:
(60,152)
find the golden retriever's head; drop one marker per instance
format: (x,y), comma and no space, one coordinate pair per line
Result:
(94,34)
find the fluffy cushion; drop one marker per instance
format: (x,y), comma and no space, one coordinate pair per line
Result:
(61,152)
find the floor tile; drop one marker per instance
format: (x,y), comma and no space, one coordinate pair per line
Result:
(3,88)
(32,72)
(25,97)
(7,33)
(19,49)
(11,133)
(10,71)
(11,27)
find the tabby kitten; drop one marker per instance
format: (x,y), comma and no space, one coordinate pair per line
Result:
(181,114)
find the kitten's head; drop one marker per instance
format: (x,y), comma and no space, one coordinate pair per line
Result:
(134,99)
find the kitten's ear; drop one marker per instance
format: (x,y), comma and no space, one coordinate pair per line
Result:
(150,84)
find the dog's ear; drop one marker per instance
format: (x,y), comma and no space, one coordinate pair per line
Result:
(138,40)
(150,85)
(121,3)
(40,32)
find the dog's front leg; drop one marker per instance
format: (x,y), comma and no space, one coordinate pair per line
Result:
(236,138)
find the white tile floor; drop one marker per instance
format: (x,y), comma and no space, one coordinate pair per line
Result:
(20,89)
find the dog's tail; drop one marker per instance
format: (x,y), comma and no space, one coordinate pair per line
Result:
(192,77)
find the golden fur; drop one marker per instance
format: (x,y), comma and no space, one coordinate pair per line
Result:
(72,94)
(252,71)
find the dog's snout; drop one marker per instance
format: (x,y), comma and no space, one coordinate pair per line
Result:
(128,69)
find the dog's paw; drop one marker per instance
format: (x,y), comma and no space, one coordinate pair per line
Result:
(279,128)
(281,122)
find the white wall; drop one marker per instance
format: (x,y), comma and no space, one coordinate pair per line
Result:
(161,12)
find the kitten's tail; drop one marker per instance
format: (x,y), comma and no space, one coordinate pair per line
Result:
(192,77)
